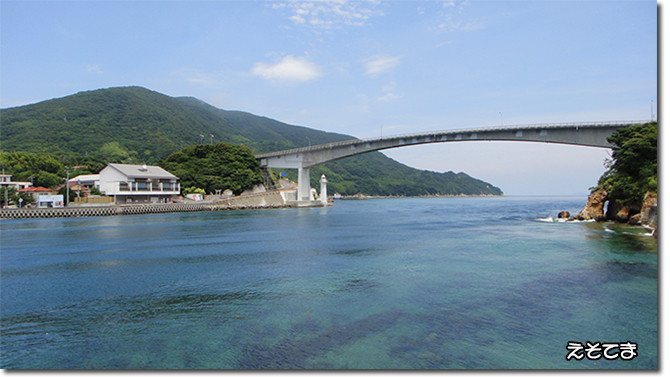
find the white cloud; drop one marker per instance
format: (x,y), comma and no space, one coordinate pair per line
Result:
(289,68)
(452,17)
(378,65)
(390,96)
(196,77)
(389,93)
(449,24)
(94,68)
(330,14)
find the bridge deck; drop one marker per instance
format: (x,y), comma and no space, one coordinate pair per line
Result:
(477,130)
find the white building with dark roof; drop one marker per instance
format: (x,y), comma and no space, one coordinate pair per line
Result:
(86,180)
(138,184)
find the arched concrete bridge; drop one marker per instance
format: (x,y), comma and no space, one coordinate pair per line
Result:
(592,134)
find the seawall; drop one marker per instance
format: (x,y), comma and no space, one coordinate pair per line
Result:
(270,199)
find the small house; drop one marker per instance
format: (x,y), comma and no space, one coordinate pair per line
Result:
(50,201)
(85,182)
(36,192)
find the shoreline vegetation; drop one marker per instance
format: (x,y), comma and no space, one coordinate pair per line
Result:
(627,192)
(364,197)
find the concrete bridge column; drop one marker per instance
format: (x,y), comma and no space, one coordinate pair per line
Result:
(303,184)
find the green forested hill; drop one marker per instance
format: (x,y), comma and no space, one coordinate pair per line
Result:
(146,124)
(134,124)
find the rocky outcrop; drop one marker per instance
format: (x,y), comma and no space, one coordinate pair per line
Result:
(650,217)
(564,215)
(645,213)
(649,212)
(635,219)
(621,213)
(631,213)
(649,200)
(594,208)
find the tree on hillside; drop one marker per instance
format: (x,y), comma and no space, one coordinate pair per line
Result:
(42,169)
(215,167)
(13,197)
(113,152)
(47,170)
(632,171)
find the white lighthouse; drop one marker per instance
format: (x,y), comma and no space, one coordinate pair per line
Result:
(324,191)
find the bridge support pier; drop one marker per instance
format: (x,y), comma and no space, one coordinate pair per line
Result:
(304,190)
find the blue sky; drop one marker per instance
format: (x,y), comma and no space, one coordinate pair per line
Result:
(363,68)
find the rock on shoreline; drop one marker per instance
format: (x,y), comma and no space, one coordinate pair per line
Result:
(594,208)
(644,213)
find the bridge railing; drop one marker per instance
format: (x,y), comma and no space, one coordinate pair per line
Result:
(454,131)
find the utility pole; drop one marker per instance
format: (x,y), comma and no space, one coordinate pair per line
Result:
(67,188)
(5,188)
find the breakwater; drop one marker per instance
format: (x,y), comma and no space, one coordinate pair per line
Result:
(272,199)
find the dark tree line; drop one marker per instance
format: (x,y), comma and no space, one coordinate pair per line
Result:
(632,171)
(215,167)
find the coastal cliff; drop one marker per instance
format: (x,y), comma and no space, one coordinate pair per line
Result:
(643,213)
(627,191)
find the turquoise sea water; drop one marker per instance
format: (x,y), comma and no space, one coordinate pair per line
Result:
(443,283)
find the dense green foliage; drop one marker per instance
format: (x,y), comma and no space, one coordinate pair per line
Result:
(137,125)
(632,172)
(13,197)
(46,170)
(69,195)
(215,167)
(193,190)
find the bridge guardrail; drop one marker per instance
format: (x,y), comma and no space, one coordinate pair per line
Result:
(453,131)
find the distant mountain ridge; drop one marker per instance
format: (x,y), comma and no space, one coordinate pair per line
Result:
(142,125)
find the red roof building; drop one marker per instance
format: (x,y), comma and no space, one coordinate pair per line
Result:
(37,191)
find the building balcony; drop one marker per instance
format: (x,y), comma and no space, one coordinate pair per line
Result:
(143,188)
